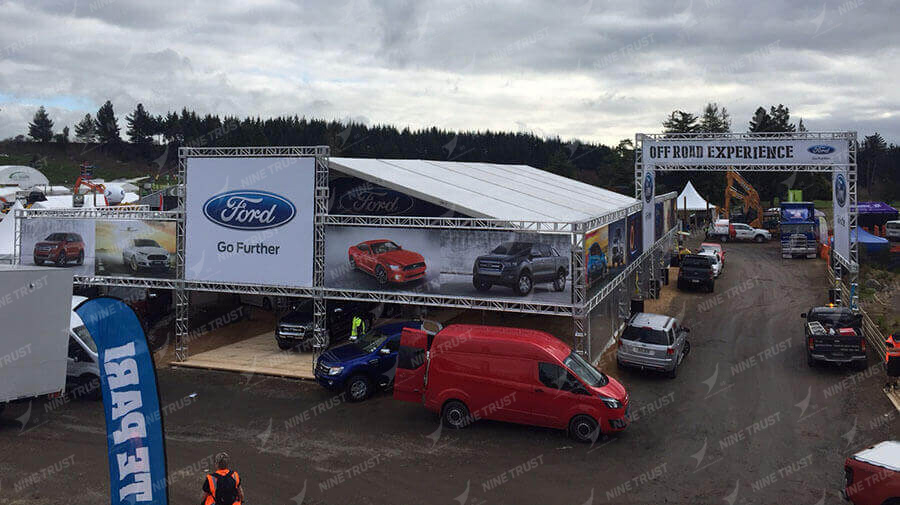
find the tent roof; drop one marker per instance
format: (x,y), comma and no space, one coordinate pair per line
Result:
(489,190)
(694,200)
(22,176)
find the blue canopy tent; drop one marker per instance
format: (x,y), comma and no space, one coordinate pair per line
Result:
(875,213)
(868,243)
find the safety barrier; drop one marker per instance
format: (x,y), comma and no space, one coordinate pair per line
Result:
(873,334)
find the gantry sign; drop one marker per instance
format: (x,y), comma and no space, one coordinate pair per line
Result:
(830,152)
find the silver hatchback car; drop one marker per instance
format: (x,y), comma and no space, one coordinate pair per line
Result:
(654,342)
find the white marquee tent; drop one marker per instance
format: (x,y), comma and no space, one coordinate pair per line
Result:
(690,199)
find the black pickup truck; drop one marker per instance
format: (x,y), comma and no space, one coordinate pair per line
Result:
(834,335)
(696,271)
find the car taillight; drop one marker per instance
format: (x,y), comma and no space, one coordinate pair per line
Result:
(811,343)
(862,343)
(848,476)
(670,350)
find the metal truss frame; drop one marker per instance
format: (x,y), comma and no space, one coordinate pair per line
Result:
(455,223)
(851,263)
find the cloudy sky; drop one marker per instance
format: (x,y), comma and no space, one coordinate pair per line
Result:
(596,70)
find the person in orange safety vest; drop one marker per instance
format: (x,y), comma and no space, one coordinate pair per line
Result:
(223,487)
(892,361)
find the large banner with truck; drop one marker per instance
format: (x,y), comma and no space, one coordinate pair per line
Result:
(250,220)
(476,263)
(742,152)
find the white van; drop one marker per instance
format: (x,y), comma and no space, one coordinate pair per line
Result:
(892,230)
(82,368)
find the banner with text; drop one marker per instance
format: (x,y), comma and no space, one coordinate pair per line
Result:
(841,205)
(742,152)
(648,214)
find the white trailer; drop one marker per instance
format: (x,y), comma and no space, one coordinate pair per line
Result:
(35,310)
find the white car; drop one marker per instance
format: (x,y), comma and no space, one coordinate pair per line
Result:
(82,368)
(746,232)
(716,262)
(145,253)
(892,230)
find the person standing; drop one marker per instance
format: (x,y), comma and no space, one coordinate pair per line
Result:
(892,361)
(223,487)
(357,328)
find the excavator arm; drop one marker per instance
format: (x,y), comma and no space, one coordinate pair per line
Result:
(94,187)
(738,188)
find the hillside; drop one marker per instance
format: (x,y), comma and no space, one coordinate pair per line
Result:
(60,163)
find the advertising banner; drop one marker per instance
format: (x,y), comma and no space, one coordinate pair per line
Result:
(742,152)
(658,221)
(250,220)
(136,248)
(605,254)
(635,237)
(66,243)
(841,204)
(134,435)
(449,262)
(357,197)
(649,209)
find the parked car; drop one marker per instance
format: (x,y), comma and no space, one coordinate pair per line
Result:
(387,261)
(717,265)
(294,330)
(721,229)
(362,367)
(697,270)
(654,342)
(834,335)
(521,265)
(717,248)
(508,374)
(60,248)
(82,366)
(145,253)
(872,476)
(744,231)
(892,230)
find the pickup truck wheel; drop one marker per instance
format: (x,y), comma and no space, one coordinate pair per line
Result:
(860,365)
(584,429)
(759,239)
(284,345)
(381,275)
(359,387)
(455,414)
(523,284)
(711,287)
(559,283)
(81,257)
(481,284)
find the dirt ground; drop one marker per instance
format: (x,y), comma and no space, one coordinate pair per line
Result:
(746,421)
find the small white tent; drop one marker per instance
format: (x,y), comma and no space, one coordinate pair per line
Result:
(693,199)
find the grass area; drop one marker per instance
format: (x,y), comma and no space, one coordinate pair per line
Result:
(61,164)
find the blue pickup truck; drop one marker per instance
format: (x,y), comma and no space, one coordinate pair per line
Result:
(360,368)
(798,230)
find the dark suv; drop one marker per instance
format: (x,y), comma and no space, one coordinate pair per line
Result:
(295,329)
(696,270)
(60,248)
(519,265)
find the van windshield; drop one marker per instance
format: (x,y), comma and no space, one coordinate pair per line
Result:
(85,337)
(585,371)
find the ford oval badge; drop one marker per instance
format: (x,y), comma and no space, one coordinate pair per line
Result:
(249,210)
(821,149)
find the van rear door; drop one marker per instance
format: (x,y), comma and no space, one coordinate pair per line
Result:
(409,380)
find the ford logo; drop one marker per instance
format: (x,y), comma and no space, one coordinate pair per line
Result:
(249,210)
(840,190)
(821,149)
(648,188)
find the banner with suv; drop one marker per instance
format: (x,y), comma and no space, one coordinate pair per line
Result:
(65,243)
(250,220)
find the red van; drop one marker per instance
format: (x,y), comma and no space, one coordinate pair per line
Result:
(470,372)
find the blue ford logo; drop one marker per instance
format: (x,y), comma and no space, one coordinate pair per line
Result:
(840,190)
(821,149)
(249,210)
(648,188)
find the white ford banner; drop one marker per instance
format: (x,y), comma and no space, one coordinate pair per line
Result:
(743,152)
(841,205)
(250,220)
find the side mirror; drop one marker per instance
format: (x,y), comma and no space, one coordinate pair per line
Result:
(384,351)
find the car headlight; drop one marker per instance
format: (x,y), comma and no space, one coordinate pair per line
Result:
(394,267)
(611,402)
(334,370)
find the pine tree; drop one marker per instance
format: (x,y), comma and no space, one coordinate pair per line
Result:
(41,127)
(781,119)
(62,137)
(800,126)
(140,126)
(108,125)
(761,121)
(680,122)
(86,130)
(714,120)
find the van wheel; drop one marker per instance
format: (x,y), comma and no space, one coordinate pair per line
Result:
(455,414)
(359,387)
(559,283)
(584,429)
(91,387)
(523,284)
(481,284)
(81,258)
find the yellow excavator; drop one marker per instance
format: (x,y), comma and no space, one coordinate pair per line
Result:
(736,187)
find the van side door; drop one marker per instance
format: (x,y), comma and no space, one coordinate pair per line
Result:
(555,395)
(412,361)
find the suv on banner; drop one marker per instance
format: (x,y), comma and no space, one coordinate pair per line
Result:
(145,253)
(519,265)
(60,248)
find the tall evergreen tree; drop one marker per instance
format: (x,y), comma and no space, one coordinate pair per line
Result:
(680,122)
(108,125)
(140,126)
(761,121)
(777,119)
(86,130)
(714,120)
(41,127)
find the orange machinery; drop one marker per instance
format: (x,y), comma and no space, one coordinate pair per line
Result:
(738,188)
